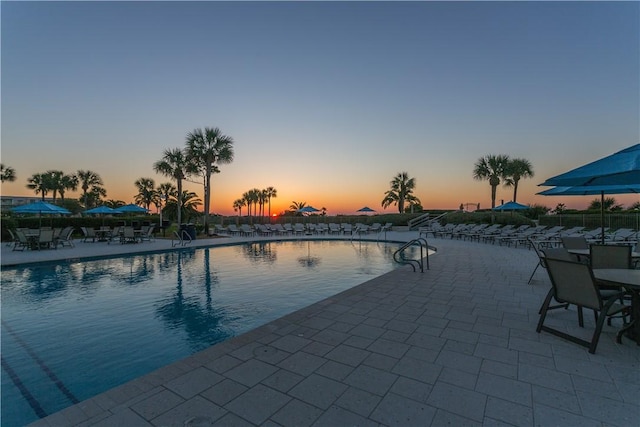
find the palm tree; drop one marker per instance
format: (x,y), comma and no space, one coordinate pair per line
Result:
(146,192)
(262,200)
(270,192)
(401,191)
(174,164)
(610,205)
(54,180)
(7,173)
(238,204)
(516,170)
(206,149)
(492,168)
(252,197)
(189,202)
(39,183)
(88,179)
(67,182)
(94,196)
(296,206)
(114,203)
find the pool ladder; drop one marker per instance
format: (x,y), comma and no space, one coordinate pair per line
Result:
(398,256)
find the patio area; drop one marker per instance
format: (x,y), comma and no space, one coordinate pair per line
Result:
(455,345)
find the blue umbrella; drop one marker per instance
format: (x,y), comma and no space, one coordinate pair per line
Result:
(621,168)
(131,208)
(511,206)
(102,210)
(308,209)
(40,208)
(365,209)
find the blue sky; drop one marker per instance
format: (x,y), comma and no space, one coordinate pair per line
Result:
(326,101)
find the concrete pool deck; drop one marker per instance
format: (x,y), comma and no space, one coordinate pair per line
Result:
(455,345)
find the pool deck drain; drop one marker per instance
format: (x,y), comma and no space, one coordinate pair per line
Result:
(455,345)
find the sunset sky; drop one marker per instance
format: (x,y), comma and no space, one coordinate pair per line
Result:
(326,101)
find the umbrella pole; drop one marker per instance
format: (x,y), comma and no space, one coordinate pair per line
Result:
(602,216)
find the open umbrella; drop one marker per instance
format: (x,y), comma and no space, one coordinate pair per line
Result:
(511,206)
(40,208)
(105,210)
(616,171)
(621,168)
(365,209)
(131,208)
(308,209)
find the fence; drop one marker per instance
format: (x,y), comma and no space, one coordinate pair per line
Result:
(590,221)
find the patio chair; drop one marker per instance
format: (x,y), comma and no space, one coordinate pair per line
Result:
(233,229)
(89,233)
(66,237)
(147,234)
(573,283)
(298,229)
(21,242)
(45,240)
(13,239)
(611,256)
(128,235)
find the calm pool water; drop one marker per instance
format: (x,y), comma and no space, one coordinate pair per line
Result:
(73,330)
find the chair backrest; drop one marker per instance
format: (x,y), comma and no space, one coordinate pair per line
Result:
(128,232)
(574,242)
(557,253)
(46,236)
(610,256)
(573,282)
(21,236)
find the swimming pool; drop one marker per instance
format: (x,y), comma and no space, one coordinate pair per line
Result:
(73,330)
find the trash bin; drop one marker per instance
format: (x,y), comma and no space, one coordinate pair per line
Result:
(191,229)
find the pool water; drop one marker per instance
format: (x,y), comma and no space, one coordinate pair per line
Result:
(75,329)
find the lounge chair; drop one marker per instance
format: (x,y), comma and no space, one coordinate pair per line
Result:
(573,283)
(21,242)
(262,230)
(147,234)
(45,239)
(247,230)
(298,229)
(66,237)
(334,228)
(233,230)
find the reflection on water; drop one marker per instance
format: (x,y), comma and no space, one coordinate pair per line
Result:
(99,323)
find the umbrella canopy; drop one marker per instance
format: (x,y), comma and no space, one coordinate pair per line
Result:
(511,206)
(365,209)
(308,209)
(41,208)
(131,208)
(102,210)
(621,168)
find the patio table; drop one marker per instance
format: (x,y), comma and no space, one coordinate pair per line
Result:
(630,280)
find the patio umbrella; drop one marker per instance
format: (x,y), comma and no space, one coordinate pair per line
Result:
(308,209)
(131,208)
(591,190)
(365,209)
(621,168)
(618,169)
(40,208)
(511,206)
(102,210)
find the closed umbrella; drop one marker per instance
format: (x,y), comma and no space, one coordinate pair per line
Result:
(611,174)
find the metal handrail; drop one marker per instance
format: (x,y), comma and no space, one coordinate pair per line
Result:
(398,256)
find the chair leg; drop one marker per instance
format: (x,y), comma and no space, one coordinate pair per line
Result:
(543,310)
(534,272)
(580,317)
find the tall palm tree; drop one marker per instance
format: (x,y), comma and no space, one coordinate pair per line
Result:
(270,192)
(67,182)
(252,197)
(238,204)
(516,170)
(7,173)
(262,200)
(401,189)
(39,183)
(54,179)
(87,180)
(206,149)
(95,195)
(146,191)
(296,206)
(492,168)
(174,164)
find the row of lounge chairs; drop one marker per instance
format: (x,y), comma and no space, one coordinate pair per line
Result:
(542,236)
(123,234)
(298,229)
